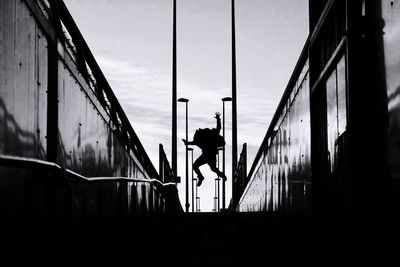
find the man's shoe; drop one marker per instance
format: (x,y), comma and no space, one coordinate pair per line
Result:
(223,177)
(199,180)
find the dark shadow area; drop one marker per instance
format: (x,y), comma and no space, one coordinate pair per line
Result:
(202,239)
(50,220)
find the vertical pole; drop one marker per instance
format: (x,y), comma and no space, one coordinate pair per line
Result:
(52,96)
(196,195)
(192,185)
(198,204)
(218,179)
(215,195)
(223,154)
(234,102)
(160,163)
(174,89)
(187,170)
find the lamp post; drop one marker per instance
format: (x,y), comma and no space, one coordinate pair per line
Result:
(217,189)
(215,209)
(219,178)
(174,90)
(195,194)
(234,98)
(191,150)
(184,100)
(225,99)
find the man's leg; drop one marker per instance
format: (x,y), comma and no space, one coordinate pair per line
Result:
(200,161)
(217,171)
(212,162)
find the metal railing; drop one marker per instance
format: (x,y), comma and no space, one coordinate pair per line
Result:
(166,174)
(60,28)
(168,191)
(49,210)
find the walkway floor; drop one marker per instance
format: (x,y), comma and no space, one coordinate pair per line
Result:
(194,239)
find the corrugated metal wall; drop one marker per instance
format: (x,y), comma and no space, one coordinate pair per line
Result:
(282,181)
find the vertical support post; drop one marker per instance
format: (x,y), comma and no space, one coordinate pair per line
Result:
(185,100)
(215,209)
(197,205)
(160,163)
(223,148)
(223,154)
(174,94)
(52,95)
(192,184)
(245,166)
(187,168)
(195,180)
(234,100)
(218,190)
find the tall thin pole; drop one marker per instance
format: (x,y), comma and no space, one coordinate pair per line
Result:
(187,165)
(192,184)
(234,102)
(195,179)
(223,154)
(174,89)
(218,179)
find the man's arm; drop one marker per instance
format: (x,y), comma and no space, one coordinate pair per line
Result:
(217,116)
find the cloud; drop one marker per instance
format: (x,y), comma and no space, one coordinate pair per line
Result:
(144,95)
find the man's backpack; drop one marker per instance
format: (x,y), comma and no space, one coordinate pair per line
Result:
(207,138)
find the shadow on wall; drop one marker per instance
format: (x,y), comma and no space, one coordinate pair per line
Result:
(14,140)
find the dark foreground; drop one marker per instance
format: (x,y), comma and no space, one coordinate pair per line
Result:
(199,239)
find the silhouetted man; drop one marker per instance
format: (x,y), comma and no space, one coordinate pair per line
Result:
(209,141)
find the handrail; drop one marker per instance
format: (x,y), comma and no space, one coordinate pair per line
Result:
(126,179)
(166,174)
(6,160)
(106,88)
(60,13)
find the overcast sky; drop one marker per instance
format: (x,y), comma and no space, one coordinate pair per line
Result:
(132,42)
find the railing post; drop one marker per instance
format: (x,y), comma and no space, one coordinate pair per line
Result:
(160,163)
(52,88)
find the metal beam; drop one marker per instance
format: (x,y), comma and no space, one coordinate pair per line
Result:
(174,94)
(234,99)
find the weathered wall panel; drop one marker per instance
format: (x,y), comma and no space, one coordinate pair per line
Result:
(23,83)
(282,181)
